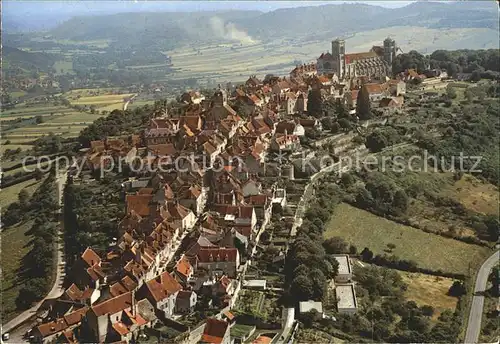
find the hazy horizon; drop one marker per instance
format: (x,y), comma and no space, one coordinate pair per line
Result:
(75,8)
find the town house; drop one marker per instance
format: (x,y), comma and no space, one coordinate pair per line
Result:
(162,292)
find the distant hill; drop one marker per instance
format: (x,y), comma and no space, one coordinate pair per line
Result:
(28,61)
(313,22)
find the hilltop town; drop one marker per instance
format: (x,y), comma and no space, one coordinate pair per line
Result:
(222,195)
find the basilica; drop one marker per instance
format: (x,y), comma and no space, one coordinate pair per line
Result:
(374,64)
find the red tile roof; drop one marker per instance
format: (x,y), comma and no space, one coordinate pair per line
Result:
(164,149)
(163,286)
(229,315)
(262,340)
(73,292)
(113,305)
(140,204)
(214,331)
(90,257)
(76,316)
(375,88)
(117,289)
(359,56)
(207,255)
(52,327)
(184,267)
(121,328)
(257,199)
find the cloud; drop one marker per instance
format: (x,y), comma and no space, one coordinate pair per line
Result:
(229,31)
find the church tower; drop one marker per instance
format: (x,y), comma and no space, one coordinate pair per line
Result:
(389,51)
(338,53)
(220,97)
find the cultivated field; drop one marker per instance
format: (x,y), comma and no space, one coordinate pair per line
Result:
(429,290)
(101,99)
(236,62)
(4,147)
(363,229)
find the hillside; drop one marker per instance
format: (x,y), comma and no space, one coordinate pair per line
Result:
(313,22)
(15,58)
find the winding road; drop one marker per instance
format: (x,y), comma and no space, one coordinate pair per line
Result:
(476,310)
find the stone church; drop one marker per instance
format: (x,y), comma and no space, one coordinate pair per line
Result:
(376,63)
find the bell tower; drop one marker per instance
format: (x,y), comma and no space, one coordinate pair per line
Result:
(338,53)
(389,50)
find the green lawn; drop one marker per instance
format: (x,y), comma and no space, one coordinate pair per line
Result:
(363,229)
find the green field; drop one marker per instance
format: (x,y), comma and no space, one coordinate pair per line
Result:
(101,99)
(236,62)
(111,107)
(59,120)
(9,194)
(21,111)
(64,67)
(15,245)
(363,229)
(4,147)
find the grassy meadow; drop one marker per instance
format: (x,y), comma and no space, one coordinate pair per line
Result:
(16,243)
(429,290)
(10,194)
(364,229)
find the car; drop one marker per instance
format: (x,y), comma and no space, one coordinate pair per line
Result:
(5,336)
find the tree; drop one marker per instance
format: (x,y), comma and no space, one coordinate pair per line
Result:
(457,289)
(24,199)
(335,245)
(345,124)
(452,69)
(366,254)
(475,76)
(347,179)
(309,318)
(376,141)
(400,201)
(314,103)
(265,236)
(302,288)
(469,95)
(363,106)
(494,279)
(38,119)
(451,93)
(427,310)
(363,198)
(38,174)
(32,291)
(449,132)
(327,123)
(335,128)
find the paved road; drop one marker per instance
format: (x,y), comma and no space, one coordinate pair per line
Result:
(57,288)
(125,105)
(288,319)
(476,310)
